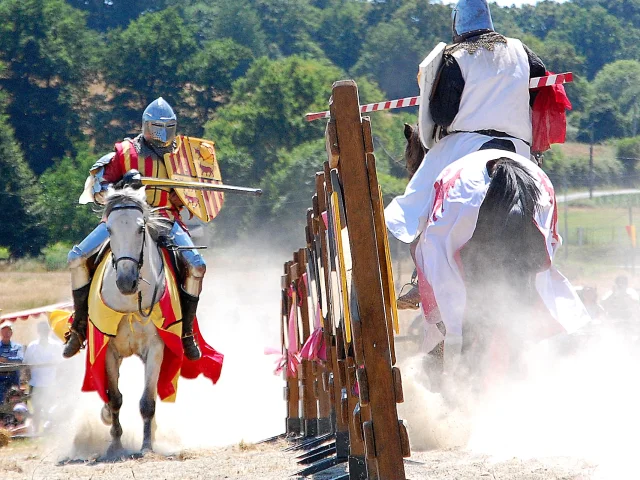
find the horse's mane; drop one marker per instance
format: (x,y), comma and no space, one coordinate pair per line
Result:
(157,224)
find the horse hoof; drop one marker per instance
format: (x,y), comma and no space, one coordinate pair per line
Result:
(146,449)
(115,451)
(105,415)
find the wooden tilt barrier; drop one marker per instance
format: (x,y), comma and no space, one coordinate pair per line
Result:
(345,274)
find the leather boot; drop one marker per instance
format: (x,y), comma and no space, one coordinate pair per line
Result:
(77,334)
(189,305)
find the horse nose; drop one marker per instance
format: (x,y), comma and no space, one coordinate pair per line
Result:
(127,279)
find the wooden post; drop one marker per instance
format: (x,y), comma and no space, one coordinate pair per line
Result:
(347,349)
(305,374)
(382,434)
(337,379)
(322,393)
(292,390)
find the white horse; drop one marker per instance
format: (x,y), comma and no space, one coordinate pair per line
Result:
(133,283)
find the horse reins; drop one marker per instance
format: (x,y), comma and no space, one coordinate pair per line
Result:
(139,262)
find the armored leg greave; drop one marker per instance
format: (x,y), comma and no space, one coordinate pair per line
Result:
(191,262)
(194,269)
(189,305)
(80,282)
(79,255)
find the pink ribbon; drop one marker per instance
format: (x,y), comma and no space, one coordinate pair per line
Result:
(291,359)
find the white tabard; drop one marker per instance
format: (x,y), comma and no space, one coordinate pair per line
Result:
(449,225)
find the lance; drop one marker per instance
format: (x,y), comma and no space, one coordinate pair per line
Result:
(536,82)
(215,187)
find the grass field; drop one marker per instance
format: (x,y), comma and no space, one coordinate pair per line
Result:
(23,290)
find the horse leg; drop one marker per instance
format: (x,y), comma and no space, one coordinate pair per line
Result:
(152,364)
(113,361)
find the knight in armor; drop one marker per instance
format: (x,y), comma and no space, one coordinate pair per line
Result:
(143,155)
(481,100)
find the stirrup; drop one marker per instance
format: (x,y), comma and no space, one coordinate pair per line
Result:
(72,332)
(71,349)
(411,299)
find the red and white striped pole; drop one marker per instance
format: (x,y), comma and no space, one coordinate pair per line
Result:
(536,82)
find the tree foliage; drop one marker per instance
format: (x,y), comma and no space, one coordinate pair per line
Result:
(21,216)
(75,76)
(47,54)
(145,61)
(67,220)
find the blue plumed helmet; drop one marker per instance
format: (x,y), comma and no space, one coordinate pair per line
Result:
(471,16)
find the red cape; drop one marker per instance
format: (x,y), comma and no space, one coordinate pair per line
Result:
(174,364)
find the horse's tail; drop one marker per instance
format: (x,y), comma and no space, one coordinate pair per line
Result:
(506,222)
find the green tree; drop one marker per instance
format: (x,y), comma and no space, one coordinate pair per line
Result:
(342,31)
(107,14)
(560,56)
(394,49)
(62,184)
(237,20)
(629,10)
(391,56)
(596,34)
(48,55)
(602,120)
(539,19)
(21,213)
(628,153)
(290,184)
(266,113)
(382,10)
(212,71)
(288,26)
(142,63)
(621,81)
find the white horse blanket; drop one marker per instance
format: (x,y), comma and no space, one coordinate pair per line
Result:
(449,223)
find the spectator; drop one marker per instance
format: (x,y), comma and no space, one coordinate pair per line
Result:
(589,297)
(14,396)
(42,355)
(10,352)
(19,423)
(622,302)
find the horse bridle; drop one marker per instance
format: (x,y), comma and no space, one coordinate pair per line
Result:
(139,261)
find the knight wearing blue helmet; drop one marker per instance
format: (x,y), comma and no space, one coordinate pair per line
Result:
(143,155)
(480,100)
(483,90)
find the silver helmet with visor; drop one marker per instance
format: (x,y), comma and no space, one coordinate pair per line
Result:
(470,16)
(159,123)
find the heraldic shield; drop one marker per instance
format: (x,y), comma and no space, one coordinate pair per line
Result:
(194,160)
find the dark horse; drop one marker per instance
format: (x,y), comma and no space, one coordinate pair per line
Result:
(499,262)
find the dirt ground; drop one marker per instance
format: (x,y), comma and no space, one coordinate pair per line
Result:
(269,462)
(571,420)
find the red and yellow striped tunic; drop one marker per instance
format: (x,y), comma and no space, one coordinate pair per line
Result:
(126,159)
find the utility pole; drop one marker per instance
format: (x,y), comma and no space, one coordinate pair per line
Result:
(635,117)
(633,236)
(591,162)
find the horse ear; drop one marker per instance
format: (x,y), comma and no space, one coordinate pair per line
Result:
(491,164)
(408,131)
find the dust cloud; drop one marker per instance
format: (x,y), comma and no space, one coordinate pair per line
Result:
(578,397)
(238,315)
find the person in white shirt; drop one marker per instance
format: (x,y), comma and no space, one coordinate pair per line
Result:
(622,302)
(42,355)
